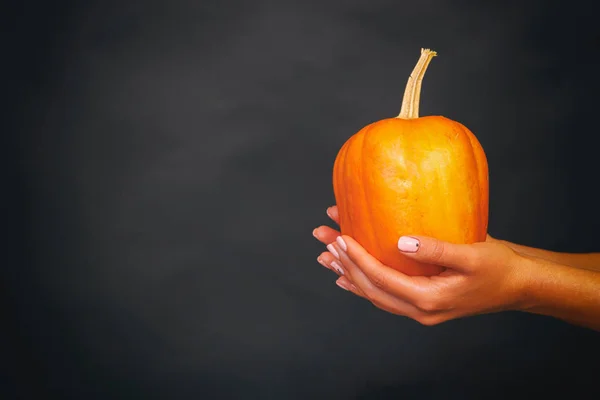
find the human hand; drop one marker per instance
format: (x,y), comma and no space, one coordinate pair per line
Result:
(478,278)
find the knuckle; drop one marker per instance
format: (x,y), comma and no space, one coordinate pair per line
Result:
(473,259)
(427,305)
(432,302)
(437,250)
(370,294)
(429,320)
(428,302)
(378,304)
(384,307)
(379,280)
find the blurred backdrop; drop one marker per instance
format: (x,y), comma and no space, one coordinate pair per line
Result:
(167,162)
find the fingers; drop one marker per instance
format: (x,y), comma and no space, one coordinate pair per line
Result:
(352,280)
(325,234)
(378,289)
(384,278)
(385,303)
(333,213)
(351,271)
(364,287)
(432,251)
(328,260)
(345,284)
(419,298)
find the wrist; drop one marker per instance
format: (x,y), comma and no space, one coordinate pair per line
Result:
(548,288)
(531,280)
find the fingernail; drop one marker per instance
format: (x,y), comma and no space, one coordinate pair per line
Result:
(408,244)
(320,261)
(341,242)
(315,232)
(337,267)
(333,251)
(328,213)
(342,284)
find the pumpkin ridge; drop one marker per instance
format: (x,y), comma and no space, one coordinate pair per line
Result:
(478,169)
(367,208)
(342,207)
(482,179)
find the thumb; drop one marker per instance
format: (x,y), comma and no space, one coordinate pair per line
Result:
(433,251)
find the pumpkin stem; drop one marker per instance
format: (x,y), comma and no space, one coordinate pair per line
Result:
(412,93)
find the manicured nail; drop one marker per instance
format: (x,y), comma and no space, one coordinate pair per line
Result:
(408,244)
(333,251)
(315,232)
(328,213)
(342,284)
(341,243)
(320,261)
(337,267)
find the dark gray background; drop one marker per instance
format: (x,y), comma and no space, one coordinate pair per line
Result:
(168,161)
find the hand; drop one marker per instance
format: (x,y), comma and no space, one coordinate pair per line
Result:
(479,278)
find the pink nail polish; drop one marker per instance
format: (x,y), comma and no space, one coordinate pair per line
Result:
(337,267)
(333,251)
(341,243)
(408,244)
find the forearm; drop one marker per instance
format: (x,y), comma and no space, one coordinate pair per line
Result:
(563,292)
(590,261)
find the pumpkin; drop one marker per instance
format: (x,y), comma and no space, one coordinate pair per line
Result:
(412,175)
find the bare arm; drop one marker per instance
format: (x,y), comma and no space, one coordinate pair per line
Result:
(564,292)
(589,261)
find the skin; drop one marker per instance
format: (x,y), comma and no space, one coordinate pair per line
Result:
(479,278)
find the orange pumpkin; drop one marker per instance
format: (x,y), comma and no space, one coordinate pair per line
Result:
(412,175)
